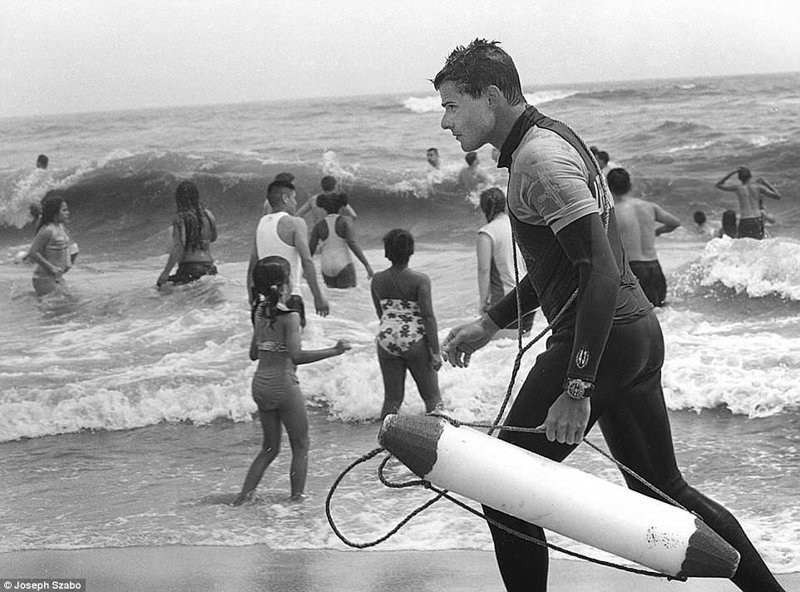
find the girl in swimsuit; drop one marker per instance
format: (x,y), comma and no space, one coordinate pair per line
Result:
(276,345)
(193,230)
(407,339)
(51,247)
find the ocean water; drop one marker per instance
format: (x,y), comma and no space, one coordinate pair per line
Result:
(125,412)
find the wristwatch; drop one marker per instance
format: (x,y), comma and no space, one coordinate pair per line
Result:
(577,388)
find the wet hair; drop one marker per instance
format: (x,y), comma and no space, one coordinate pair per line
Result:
(436,150)
(270,274)
(42,161)
(729,223)
(284,177)
(328,183)
(479,65)
(493,202)
(330,203)
(398,246)
(699,217)
(619,181)
(744,174)
(277,189)
(190,214)
(51,207)
(471,157)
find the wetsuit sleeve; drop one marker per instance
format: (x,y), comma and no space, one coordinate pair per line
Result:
(586,245)
(504,312)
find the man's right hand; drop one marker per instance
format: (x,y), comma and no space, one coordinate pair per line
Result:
(464,340)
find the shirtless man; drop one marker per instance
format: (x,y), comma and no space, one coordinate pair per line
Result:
(750,194)
(284,234)
(471,175)
(636,219)
(336,237)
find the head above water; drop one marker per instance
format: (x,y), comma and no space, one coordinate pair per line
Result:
(42,161)
(398,246)
(328,183)
(432,156)
(744,174)
(699,217)
(619,181)
(52,205)
(729,223)
(471,157)
(602,158)
(493,202)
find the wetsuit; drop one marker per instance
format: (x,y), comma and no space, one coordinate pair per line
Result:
(564,221)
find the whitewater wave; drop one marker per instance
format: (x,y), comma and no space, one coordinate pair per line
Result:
(433,104)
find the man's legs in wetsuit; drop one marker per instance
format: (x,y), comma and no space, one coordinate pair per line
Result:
(633,417)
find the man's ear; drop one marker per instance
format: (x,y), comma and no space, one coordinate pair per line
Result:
(493,95)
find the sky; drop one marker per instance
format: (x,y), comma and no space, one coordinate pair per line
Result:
(64,56)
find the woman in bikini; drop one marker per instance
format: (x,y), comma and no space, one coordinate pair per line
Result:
(277,347)
(407,339)
(51,247)
(193,230)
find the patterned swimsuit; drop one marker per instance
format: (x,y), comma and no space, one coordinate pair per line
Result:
(401,325)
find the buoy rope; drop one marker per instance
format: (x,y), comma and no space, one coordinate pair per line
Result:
(491,428)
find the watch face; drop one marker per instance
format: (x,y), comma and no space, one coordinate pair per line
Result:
(575,389)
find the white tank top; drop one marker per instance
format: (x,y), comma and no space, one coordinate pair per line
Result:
(269,243)
(499,230)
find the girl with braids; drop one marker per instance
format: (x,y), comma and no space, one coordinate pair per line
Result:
(51,247)
(193,230)
(276,345)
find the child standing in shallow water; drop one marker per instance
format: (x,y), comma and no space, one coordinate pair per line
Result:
(276,345)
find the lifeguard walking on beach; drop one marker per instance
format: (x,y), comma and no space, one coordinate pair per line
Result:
(602,363)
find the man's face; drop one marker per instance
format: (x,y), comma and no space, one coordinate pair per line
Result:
(470,120)
(433,158)
(291,202)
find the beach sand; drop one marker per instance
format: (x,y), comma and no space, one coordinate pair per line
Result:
(258,568)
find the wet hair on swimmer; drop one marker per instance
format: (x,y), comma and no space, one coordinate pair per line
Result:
(270,275)
(398,246)
(328,183)
(51,207)
(699,217)
(744,174)
(493,202)
(619,181)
